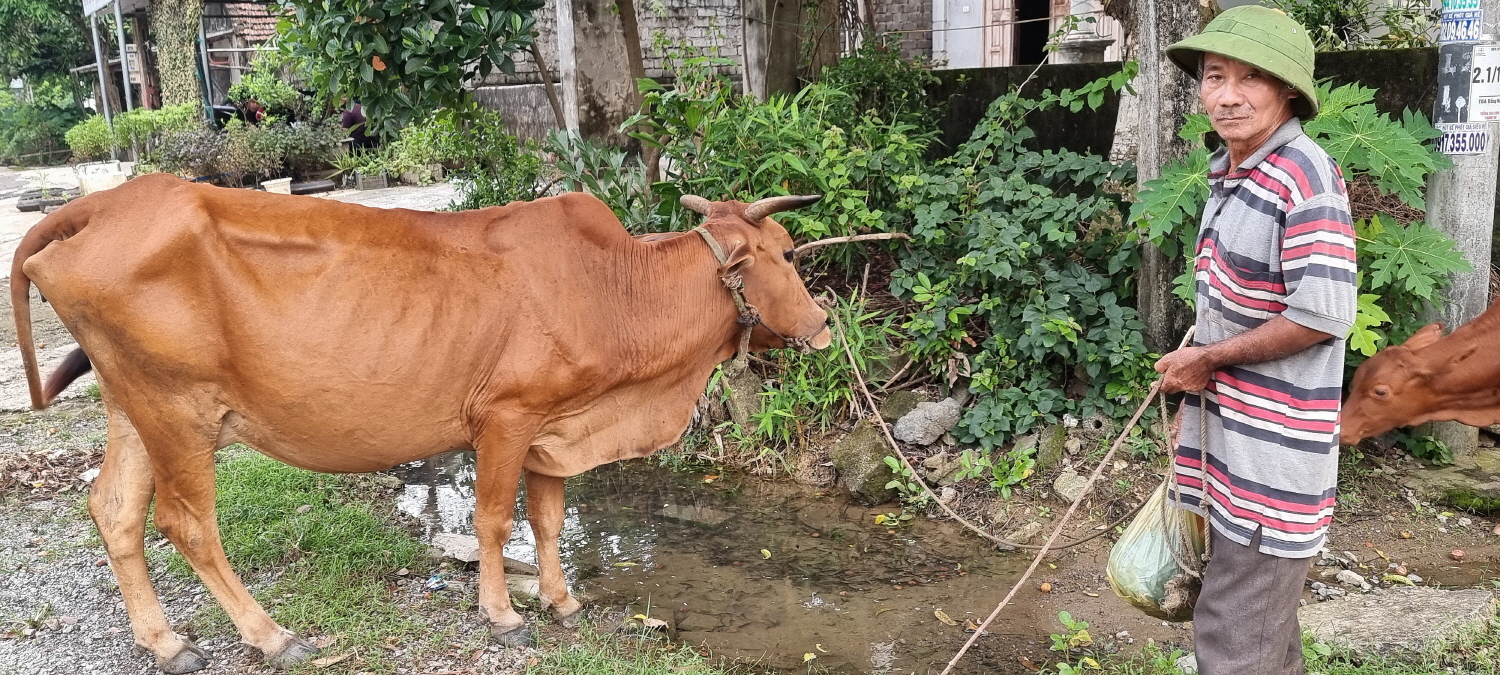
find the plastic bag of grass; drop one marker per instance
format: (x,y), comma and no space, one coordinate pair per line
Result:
(1145,570)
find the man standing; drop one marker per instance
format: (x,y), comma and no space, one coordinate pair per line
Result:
(1276,296)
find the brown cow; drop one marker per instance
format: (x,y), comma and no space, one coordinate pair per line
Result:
(1429,377)
(340,338)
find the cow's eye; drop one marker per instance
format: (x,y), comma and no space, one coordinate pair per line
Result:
(1382,392)
(790,254)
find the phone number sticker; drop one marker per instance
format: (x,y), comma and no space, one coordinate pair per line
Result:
(1464,138)
(1461,25)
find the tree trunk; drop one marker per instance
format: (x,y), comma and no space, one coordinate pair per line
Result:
(1166,94)
(174,23)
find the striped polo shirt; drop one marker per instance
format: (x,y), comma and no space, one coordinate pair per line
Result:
(1275,239)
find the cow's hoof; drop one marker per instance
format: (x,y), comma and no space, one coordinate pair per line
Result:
(296,651)
(514,637)
(570,621)
(191,658)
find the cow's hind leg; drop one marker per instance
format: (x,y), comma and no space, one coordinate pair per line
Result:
(118,502)
(182,456)
(545,511)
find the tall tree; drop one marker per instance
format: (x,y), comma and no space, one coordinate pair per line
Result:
(1166,97)
(174,24)
(42,39)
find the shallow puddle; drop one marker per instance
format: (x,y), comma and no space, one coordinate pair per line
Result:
(764,571)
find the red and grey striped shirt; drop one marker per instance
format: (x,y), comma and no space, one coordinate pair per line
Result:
(1275,239)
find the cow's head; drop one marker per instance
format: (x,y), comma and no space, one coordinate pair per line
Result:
(1394,388)
(763,254)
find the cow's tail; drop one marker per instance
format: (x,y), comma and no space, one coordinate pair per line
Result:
(59,225)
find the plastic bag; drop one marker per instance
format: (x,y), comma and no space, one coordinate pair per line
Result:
(1142,568)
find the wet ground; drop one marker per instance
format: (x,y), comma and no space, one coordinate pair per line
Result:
(767,572)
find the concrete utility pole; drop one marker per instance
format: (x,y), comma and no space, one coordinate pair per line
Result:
(1461,200)
(1166,95)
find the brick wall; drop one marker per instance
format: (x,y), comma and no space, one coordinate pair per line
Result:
(907,15)
(711,26)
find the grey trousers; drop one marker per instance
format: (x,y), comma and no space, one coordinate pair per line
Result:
(1245,622)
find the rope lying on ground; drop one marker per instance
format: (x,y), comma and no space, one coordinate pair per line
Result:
(1061,523)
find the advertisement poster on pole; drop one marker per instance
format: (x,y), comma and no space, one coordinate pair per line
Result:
(1463,21)
(1459,67)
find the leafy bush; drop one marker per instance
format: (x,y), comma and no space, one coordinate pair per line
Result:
(1337,25)
(881,83)
(403,58)
(140,129)
(264,85)
(90,139)
(722,146)
(246,150)
(610,174)
(1021,270)
(29,128)
(192,153)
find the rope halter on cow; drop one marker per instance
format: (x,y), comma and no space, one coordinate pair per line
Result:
(749,316)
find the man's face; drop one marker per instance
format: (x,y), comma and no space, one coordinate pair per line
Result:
(1243,102)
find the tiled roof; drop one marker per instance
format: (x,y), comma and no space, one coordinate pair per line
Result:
(252,21)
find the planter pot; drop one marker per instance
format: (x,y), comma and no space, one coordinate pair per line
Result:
(375,182)
(278,185)
(312,186)
(96,176)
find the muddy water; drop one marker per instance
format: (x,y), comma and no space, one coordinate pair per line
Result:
(860,596)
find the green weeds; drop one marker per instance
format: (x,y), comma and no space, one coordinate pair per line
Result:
(330,562)
(599,654)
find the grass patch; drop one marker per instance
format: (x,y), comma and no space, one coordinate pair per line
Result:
(1470,654)
(327,566)
(598,654)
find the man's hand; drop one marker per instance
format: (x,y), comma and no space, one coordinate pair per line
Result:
(1187,369)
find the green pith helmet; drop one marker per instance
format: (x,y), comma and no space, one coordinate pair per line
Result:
(1262,37)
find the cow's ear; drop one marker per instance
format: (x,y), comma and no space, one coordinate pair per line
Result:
(737,257)
(1429,334)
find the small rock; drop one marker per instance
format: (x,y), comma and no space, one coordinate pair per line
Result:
(1188,664)
(304,508)
(51,624)
(1406,534)
(68,620)
(899,403)
(89,476)
(1414,578)
(928,422)
(1400,570)
(403,572)
(949,439)
(1024,533)
(694,515)
(1046,587)
(460,547)
(947,495)
(1069,486)
(859,459)
(1464,522)
(1049,446)
(1318,586)
(1352,578)
(1456,554)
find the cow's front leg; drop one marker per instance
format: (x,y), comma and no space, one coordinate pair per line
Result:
(545,510)
(497,479)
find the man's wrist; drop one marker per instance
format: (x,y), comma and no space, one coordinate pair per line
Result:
(1214,354)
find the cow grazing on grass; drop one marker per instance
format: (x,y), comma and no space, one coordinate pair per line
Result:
(340,338)
(1429,377)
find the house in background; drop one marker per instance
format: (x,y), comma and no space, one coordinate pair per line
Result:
(987,33)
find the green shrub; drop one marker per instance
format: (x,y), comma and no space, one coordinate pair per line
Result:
(27,129)
(142,128)
(312,146)
(90,139)
(1022,275)
(881,83)
(262,85)
(193,154)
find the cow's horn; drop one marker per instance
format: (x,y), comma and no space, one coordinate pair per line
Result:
(696,203)
(765,207)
